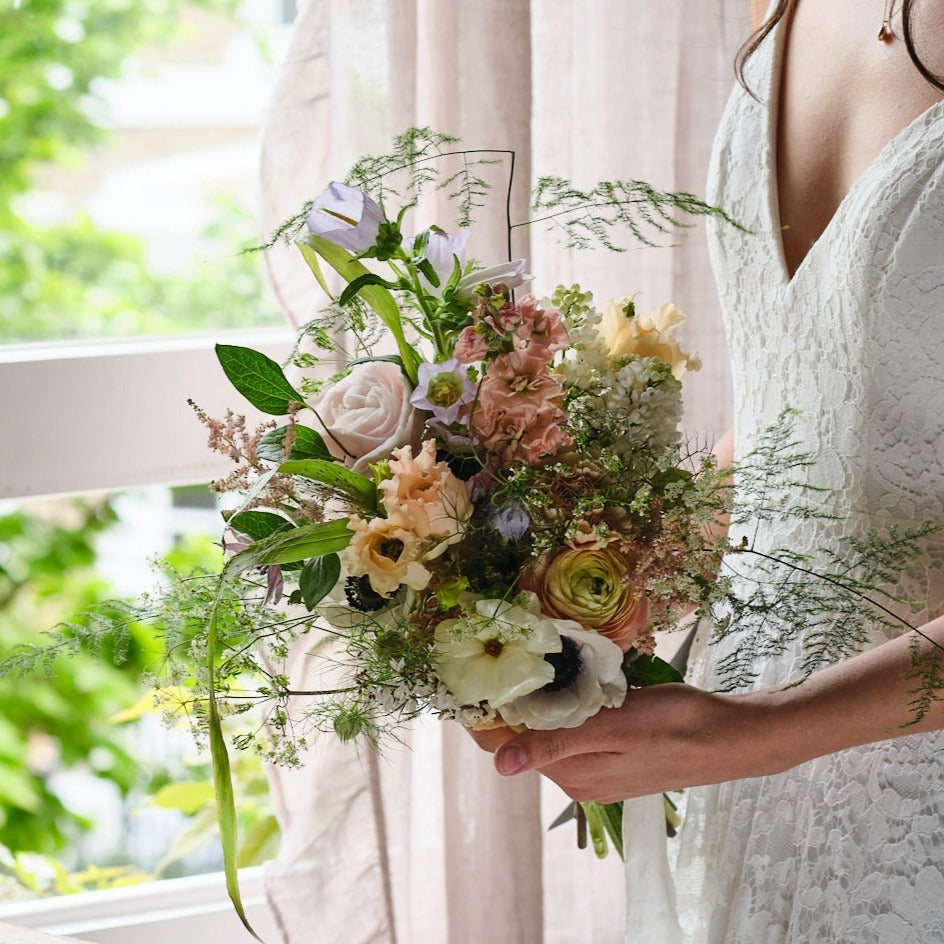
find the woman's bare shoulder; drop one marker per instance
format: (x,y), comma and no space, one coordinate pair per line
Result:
(758,9)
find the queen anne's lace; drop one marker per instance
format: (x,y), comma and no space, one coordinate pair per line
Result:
(848,847)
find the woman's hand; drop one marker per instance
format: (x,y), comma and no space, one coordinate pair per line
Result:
(666,737)
(662,738)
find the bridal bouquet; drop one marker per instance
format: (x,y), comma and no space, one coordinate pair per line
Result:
(493,522)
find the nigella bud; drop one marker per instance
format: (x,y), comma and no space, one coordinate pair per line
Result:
(566,664)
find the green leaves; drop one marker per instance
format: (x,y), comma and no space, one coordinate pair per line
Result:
(642,670)
(307,445)
(359,489)
(258,524)
(258,378)
(287,547)
(317,579)
(226,811)
(376,295)
(361,282)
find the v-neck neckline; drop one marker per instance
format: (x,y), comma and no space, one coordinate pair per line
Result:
(780,40)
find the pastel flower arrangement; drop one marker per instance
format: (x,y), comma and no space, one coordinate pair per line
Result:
(477,498)
(510,511)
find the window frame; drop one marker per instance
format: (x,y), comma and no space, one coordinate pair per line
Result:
(191,910)
(143,433)
(108,415)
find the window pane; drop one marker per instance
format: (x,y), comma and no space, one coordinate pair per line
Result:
(129,165)
(90,778)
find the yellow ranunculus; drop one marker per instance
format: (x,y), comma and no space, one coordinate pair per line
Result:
(589,586)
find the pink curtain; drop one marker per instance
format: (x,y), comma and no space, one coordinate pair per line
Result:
(426,844)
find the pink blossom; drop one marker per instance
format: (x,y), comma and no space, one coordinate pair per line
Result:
(471,345)
(428,495)
(519,375)
(541,330)
(521,431)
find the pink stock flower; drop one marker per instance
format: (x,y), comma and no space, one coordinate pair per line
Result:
(541,330)
(471,345)
(522,431)
(517,415)
(519,376)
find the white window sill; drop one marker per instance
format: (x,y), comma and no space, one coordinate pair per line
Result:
(194,910)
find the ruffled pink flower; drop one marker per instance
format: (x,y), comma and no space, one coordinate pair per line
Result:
(542,330)
(521,431)
(520,376)
(471,345)
(517,415)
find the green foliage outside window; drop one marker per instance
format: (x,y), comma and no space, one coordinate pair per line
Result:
(76,279)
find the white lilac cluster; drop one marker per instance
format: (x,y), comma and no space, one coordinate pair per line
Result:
(648,400)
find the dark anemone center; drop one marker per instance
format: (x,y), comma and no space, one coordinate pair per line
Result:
(566,664)
(362,596)
(493,648)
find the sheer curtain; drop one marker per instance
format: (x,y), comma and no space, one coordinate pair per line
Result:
(427,844)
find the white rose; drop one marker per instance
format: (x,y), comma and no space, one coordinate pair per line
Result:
(366,415)
(600,683)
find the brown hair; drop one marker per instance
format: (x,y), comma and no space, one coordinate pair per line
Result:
(907,18)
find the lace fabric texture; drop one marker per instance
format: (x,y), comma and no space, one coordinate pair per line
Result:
(848,847)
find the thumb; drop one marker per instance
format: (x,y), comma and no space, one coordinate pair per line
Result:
(534,749)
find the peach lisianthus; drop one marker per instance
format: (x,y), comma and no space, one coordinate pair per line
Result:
(649,335)
(427,494)
(589,586)
(387,552)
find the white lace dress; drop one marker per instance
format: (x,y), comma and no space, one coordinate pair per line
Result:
(848,847)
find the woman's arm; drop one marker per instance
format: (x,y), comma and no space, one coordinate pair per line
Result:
(672,736)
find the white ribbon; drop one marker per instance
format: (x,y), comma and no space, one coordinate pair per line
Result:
(651,916)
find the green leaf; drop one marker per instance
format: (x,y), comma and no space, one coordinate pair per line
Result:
(286,547)
(258,378)
(226,810)
(311,257)
(186,797)
(389,358)
(318,577)
(361,489)
(641,670)
(261,842)
(258,524)
(308,445)
(360,282)
(378,297)
(426,267)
